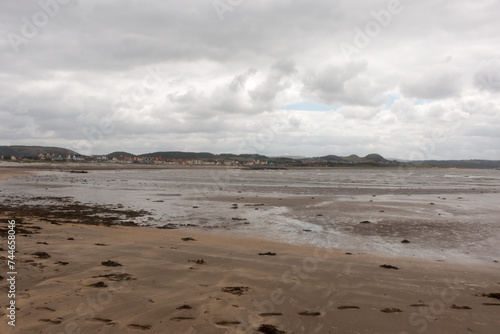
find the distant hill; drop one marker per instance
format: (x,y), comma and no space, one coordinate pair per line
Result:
(121,153)
(331,158)
(370,158)
(477,164)
(179,155)
(33,151)
(375,157)
(203,155)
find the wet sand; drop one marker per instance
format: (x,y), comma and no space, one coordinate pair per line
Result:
(447,214)
(218,283)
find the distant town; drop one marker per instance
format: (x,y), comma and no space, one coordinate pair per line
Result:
(27,154)
(137,160)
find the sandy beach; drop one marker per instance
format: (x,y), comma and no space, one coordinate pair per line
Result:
(75,276)
(7,174)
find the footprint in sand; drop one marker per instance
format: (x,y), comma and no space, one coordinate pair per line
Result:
(391,310)
(460,307)
(116,277)
(43,308)
(101,320)
(55,322)
(346,307)
(140,327)
(227,323)
(272,314)
(310,314)
(181,318)
(106,321)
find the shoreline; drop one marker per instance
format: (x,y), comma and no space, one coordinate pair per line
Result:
(160,288)
(44,166)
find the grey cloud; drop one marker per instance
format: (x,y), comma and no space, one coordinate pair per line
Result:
(224,82)
(240,80)
(436,83)
(341,84)
(488,76)
(275,82)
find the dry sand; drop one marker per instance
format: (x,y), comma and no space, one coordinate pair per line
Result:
(160,287)
(7,174)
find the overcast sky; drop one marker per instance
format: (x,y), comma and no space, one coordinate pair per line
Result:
(406,79)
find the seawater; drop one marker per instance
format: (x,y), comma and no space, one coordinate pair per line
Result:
(447,214)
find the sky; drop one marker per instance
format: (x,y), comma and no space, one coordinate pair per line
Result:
(407,79)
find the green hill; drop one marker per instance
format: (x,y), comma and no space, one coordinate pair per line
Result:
(33,151)
(121,153)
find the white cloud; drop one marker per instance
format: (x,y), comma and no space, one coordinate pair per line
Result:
(177,77)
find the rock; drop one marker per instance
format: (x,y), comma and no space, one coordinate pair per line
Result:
(99,285)
(405,241)
(388,266)
(169,226)
(492,295)
(235,290)
(41,255)
(270,329)
(110,263)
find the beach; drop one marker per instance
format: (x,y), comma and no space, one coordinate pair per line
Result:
(242,256)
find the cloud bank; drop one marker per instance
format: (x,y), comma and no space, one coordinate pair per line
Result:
(419,79)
